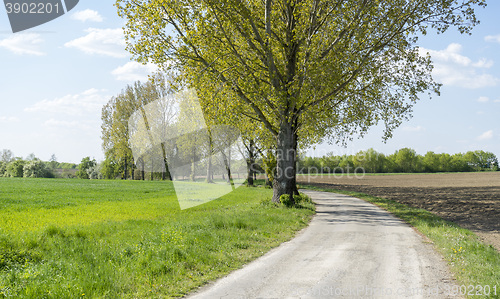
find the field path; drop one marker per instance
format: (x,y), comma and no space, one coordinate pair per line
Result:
(352,249)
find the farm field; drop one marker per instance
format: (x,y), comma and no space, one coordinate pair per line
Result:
(128,239)
(471,200)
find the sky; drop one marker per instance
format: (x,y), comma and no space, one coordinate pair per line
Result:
(55,78)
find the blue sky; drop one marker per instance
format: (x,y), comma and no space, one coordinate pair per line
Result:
(56,77)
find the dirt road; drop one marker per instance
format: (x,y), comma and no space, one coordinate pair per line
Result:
(352,249)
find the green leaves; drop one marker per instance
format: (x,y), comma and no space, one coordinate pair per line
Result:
(329,69)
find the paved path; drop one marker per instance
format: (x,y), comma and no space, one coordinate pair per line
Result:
(352,249)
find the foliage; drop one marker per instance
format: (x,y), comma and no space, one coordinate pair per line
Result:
(404,160)
(3,168)
(95,172)
(84,167)
(124,112)
(306,70)
(37,169)
(110,169)
(15,169)
(299,201)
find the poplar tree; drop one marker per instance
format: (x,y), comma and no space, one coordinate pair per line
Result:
(305,69)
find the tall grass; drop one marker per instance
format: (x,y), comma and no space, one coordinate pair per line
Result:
(126,239)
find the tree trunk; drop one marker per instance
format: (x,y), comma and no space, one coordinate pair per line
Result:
(284,180)
(250,163)
(209,161)
(295,150)
(166,173)
(227,164)
(152,168)
(143,165)
(125,169)
(192,176)
(133,169)
(209,169)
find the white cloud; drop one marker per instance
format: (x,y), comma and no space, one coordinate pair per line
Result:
(108,42)
(24,43)
(493,38)
(483,99)
(87,102)
(454,69)
(87,15)
(8,119)
(486,135)
(413,129)
(67,124)
(134,71)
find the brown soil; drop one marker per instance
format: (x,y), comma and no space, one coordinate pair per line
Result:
(472,200)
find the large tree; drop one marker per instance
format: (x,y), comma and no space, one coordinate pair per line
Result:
(308,69)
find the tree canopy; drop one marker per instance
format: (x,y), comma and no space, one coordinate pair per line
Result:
(307,70)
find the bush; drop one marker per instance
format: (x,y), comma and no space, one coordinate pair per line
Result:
(84,166)
(15,169)
(94,172)
(36,169)
(3,168)
(287,201)
(299,201)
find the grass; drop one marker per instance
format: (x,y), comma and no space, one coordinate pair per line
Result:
(128,239)
(474,264)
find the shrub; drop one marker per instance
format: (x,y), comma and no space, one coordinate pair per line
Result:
(36,169)
(301,201)
(15,169)
(3,168)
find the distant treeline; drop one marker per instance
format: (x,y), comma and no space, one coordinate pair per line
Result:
(31,166)
(405,160)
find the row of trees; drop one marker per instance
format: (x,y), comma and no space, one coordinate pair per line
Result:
(291,73)
(153,129)
(404,160)
(33,167)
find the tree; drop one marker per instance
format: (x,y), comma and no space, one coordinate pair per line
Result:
(31,157)
(407,160)
(84,167)
(110,169)
(15,169)
(115,116)
(135,123)
(53,162)
(7,156)
(3,168)
(481,160)
(369,160)
(306,69)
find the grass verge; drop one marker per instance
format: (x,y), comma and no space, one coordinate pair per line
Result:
(127,239)
(475,265)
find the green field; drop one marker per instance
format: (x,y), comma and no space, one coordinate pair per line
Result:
(128,239)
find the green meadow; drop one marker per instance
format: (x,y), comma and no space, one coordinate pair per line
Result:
(129,239)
